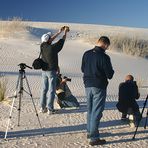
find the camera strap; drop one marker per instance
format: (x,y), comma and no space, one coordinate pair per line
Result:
(64,87)
(40,54)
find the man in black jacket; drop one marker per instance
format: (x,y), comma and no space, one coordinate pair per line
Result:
(49,53)
(97,69)
(128,93)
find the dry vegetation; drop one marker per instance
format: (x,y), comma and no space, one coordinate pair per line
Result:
(7,28)
(3,84)
(132,45)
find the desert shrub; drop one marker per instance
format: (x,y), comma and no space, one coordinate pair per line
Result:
(3,84)
(7,28)
(132,46)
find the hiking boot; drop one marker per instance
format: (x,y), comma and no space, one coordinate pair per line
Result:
(123,119)
(43,110)
(50,112)
(97,142)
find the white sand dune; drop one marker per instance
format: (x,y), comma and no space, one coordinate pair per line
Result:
(67,129)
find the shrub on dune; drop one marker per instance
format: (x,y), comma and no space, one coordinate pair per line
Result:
(3,84)
(7,28)
(132,46)
(122,43)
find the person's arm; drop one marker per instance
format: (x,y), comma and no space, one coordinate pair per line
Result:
(120,91)
(108,69)
(136,91)
(63,81)
(83,64)
(59,45)
(56,34)
(66,29)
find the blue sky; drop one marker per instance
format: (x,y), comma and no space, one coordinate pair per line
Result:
(131,13)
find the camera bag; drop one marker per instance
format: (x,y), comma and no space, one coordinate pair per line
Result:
(39,63)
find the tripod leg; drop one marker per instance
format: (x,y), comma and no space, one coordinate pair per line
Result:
(146,119)
(137,126)
(20,97)
(33,103)
(15,96)
(140,117)
(19,108)
(9,118)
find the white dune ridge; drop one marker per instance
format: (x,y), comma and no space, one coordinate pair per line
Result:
(68,128)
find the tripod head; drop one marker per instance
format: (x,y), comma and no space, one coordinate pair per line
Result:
(23,66)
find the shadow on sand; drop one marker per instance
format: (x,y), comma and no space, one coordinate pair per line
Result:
(38,32)
(12,73)
(114,124)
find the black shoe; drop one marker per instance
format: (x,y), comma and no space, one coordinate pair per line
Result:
(97,142)
(50,112)
(124,119)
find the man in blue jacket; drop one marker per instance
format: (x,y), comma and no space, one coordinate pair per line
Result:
(97,69)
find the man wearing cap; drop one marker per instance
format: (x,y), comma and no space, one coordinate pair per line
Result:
(49,53)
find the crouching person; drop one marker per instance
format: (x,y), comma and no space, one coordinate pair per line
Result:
(65,98)
(127,105)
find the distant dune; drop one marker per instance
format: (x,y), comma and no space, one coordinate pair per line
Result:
(20,43)
(133,41)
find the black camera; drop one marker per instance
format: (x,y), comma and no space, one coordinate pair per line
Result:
(66,27)
(23,66)
(68,79)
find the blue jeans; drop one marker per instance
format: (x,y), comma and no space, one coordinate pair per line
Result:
(95,105)
(48,85)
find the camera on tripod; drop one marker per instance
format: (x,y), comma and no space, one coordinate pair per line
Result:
(23,66)
(22,78)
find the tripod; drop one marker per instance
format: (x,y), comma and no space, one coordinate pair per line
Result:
(141,117)
(19,93)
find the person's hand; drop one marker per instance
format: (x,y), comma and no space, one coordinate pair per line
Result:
(67,29)
(62,29)
(64,81)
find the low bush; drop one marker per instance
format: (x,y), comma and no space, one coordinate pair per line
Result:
(7,28)
(3,84)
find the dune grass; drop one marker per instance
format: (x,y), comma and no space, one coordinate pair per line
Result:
(132,45)
(7,28)
(3,87)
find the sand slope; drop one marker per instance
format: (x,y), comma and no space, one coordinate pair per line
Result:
(68,127)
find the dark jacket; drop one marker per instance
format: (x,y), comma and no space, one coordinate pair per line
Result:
(49,53)
(97,68)
(128,92)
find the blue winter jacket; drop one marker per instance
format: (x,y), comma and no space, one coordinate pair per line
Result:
(97,68)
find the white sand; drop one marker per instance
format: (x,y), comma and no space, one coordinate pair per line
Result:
(68,127)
